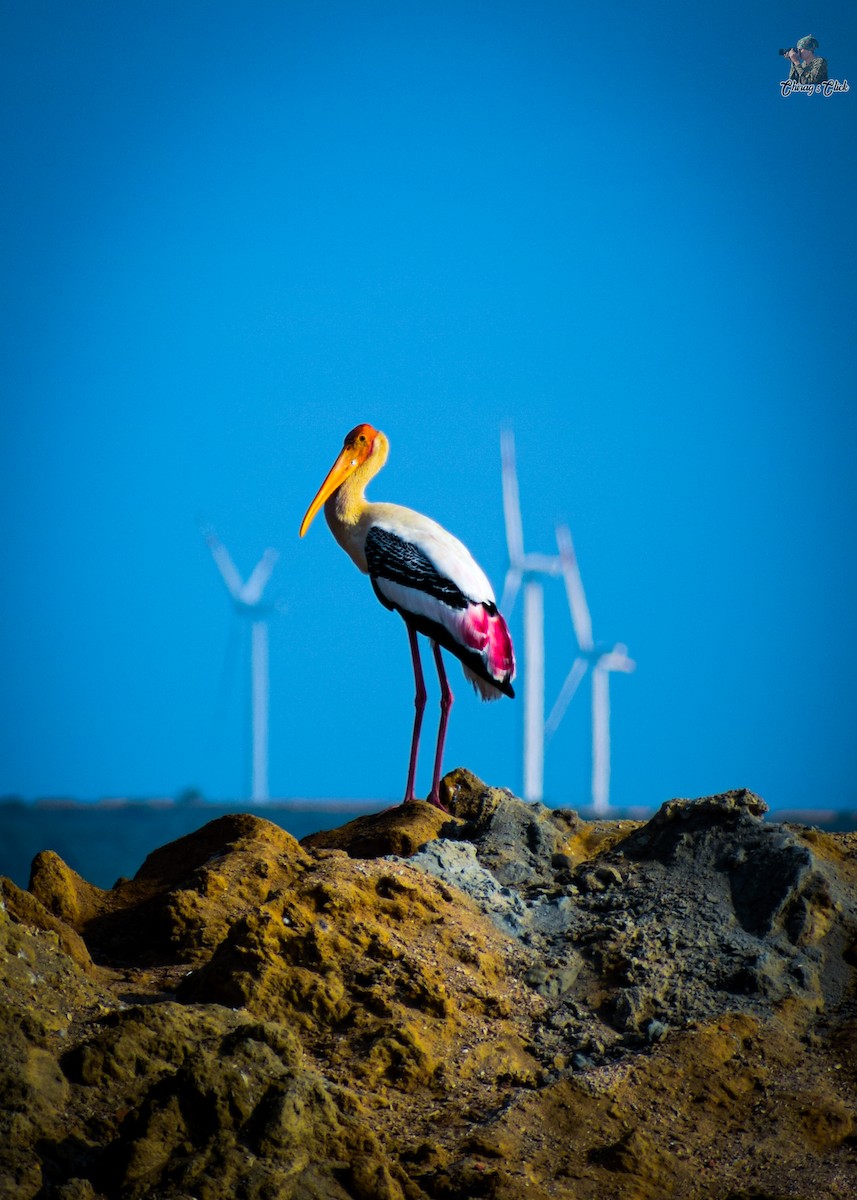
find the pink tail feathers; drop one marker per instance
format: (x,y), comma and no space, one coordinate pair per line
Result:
(500,657)
(487,633)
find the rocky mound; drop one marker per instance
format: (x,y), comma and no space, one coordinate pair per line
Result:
(503,1001)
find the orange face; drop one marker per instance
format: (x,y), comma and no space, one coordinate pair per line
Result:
(358,445)
(360,440)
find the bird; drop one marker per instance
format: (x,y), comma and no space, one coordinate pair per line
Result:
(425,574)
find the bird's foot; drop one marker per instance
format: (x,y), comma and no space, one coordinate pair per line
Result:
(434,798)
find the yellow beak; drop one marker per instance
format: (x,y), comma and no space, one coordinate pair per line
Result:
(337,475)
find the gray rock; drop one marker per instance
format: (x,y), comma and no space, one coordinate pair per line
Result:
(456,863)
(706,909)
(519,841)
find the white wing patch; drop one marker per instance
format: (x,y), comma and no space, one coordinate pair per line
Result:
(450,558)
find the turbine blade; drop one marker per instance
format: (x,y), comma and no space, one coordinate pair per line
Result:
(572,682)
(223,560)
(511,587)
(251,593)
(578,607)
(511,499)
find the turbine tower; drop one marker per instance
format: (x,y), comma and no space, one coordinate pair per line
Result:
(247,598)
(601,660)
(529,571)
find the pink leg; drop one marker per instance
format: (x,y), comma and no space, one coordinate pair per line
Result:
(446,699)
(419,705)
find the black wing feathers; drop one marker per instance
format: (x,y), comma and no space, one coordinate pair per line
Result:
(389,556)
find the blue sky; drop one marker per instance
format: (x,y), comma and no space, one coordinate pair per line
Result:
(232,232)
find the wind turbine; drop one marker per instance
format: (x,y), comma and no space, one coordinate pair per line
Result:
(247,599)
(601,660)
(527,570)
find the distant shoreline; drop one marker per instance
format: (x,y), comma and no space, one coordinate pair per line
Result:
(159,803)
(840,820)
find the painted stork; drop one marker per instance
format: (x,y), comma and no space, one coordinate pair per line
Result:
(423,573)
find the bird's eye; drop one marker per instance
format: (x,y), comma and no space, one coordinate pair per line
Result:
(354,462)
